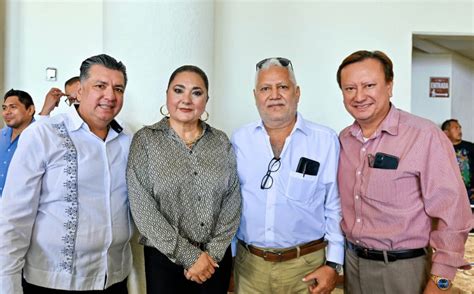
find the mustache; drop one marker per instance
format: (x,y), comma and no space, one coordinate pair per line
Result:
(277,103)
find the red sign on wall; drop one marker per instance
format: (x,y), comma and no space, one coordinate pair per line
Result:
(439,87)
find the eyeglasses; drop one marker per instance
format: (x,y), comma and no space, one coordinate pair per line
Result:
(267,180)
(283,62)
(70,100)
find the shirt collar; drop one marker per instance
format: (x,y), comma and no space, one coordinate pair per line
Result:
(388,125)
(76,121)
(300,125)
(6,131)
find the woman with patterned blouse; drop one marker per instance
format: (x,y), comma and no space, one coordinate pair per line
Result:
(184,193)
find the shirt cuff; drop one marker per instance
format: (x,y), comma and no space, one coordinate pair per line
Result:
(335,252)
(187,254)
(443,270)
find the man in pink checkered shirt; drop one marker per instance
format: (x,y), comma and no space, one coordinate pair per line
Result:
(400,187)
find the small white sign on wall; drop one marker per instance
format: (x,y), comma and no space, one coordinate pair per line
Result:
(51,74)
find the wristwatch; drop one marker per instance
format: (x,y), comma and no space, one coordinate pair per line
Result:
(336,266)
(442,283)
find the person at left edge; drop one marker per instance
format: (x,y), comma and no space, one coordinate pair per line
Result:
(184,192)
(17,112)
(64,215)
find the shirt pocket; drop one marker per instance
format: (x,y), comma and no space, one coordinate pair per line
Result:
(383,188)
(301,188)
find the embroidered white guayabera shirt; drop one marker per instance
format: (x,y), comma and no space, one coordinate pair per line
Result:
(64,214)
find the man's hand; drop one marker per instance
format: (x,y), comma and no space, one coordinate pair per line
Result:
(325,279)
(202,269)
(431,288)
(51,101)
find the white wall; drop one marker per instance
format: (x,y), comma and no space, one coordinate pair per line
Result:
(424,67)
(460,104)
(316,36)
(463,95)
(42,34)
(153,38)
(226,38)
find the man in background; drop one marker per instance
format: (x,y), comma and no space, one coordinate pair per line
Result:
(17,112)
(53,97)
(464,153)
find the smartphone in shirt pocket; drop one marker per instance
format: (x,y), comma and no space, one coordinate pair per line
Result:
(383,161)
(303,183)
(307,166)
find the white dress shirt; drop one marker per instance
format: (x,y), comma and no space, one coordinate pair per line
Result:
(297,209)
(64,214)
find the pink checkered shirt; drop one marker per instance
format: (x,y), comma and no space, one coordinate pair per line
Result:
(393,209)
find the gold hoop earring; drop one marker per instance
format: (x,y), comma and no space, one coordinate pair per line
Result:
(167,114)
(207,116)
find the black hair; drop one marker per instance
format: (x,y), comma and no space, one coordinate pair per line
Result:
(72,81)
(104,60)
(23,97)
(447,123)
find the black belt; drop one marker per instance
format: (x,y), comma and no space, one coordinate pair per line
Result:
(394,255)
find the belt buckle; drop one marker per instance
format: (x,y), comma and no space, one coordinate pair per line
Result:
(280,255)
(265,255)
(391,257)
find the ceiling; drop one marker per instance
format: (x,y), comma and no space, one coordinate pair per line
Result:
(462,45)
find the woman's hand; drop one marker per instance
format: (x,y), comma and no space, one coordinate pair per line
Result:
(202,269)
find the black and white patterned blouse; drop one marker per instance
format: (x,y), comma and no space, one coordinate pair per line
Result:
(179,196)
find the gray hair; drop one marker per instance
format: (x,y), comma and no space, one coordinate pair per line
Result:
(275,62)
(104,60)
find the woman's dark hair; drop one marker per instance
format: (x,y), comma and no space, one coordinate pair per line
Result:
(190,68)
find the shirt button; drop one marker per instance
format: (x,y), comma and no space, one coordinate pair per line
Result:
(357,241)
(358,220)
(195,173)
(358,172)
(363,149)
(8,150)
(4,162)
(357,197)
